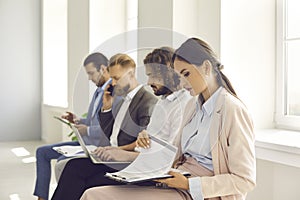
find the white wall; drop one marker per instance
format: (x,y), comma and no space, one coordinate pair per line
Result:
(78,49)
(20,70)
(198,18)
(248,54)
(159,33)
(185,17)
(276,182)
(210,23)
(107,18)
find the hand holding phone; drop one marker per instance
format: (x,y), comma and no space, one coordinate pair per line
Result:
(69,116)
(110,89)
(107,97)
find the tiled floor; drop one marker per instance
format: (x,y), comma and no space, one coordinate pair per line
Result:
(16,177)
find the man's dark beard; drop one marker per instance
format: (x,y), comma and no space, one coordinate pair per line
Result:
(101,82)
(161,91)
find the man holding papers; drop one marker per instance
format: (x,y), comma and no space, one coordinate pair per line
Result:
(143,168)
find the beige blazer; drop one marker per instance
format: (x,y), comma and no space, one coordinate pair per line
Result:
(233,152)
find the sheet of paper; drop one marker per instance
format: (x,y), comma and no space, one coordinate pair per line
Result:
(153,162)
(70,151)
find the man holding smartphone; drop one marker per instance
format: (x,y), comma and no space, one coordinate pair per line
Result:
(96,68)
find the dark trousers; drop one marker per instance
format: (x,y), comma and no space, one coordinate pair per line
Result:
(81,174)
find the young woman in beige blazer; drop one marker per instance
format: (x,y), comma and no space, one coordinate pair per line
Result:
(217,144)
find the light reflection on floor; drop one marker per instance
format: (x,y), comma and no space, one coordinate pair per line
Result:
(17,170)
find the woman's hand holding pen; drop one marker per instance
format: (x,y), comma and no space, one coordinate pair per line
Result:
(178,181)
(143,140)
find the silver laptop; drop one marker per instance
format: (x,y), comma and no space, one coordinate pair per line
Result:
(88,152)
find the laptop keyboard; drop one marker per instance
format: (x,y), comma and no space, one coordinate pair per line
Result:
(95,157)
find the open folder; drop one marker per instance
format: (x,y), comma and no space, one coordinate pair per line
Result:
(152,163)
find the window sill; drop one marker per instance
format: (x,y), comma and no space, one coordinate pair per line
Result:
(279,146)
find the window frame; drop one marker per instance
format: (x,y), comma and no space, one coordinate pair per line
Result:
(282,120)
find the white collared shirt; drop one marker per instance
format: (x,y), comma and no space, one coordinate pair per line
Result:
(195,141)
(167,116)
(195,136)
(121,114)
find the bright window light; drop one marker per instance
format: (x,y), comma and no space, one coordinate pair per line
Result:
(55,86)
(20,152)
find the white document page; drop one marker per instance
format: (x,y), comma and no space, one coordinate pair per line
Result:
(70,151)
(150,163)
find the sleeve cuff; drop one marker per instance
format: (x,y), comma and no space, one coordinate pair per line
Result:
(88,131)
(105,111)
(138,149)
(81,121)
(195,188)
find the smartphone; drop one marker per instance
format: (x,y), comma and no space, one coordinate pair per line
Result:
(110,89)
(65,121)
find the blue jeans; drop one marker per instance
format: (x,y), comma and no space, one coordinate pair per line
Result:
(44,155)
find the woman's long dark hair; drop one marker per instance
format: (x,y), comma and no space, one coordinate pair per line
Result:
(195,51)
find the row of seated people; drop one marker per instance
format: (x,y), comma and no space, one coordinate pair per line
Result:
(198,111)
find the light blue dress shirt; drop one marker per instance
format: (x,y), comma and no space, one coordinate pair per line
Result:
(97,100)
(196,142)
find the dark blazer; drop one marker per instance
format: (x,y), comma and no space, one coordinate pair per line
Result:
(135,120)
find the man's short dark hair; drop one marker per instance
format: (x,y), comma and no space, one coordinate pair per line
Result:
(160,60)
(97,59)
